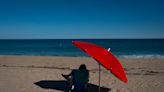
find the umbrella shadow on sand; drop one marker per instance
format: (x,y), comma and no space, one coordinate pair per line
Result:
(62,85)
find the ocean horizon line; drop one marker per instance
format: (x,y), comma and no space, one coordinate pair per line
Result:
(82,38)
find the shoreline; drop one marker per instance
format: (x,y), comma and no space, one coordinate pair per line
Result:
(119,57)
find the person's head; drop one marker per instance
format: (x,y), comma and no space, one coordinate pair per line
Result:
(82,67)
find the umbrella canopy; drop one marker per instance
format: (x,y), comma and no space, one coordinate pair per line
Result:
(104,57)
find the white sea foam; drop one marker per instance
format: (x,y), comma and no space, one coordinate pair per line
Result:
(141,56)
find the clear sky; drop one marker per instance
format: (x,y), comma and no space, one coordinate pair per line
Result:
(51,19)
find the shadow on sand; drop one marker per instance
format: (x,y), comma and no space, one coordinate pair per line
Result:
(62,85)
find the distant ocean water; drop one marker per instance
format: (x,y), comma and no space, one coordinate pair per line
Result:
(126,48)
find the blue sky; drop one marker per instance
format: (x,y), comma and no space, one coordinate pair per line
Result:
(56,19)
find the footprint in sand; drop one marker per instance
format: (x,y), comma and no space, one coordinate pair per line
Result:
(121,90)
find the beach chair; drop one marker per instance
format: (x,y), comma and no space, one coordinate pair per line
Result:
(80,81)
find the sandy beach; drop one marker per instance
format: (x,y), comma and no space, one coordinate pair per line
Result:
(43,74)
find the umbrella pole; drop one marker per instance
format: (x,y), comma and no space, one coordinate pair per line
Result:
(99,76)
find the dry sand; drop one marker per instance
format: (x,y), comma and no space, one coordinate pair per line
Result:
(43,74)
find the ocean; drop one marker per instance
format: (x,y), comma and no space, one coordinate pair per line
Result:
(126,48)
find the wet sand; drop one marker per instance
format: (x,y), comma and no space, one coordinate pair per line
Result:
(43,74)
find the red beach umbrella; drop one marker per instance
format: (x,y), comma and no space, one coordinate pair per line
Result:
(103,57)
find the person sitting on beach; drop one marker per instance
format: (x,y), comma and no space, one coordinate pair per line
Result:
(78,78)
